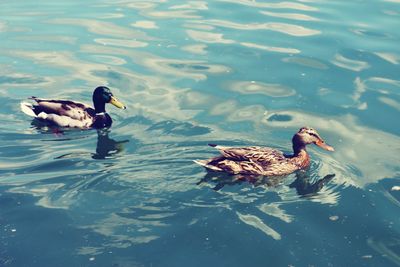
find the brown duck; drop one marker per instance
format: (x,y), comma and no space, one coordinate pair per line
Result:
(265,160)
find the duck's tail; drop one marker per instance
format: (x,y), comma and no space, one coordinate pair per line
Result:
(28,108)
(201,162)
(205,164)
(218,146)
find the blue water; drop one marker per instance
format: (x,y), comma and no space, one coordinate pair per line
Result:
(234,72)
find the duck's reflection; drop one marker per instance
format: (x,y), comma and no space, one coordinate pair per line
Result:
(107,147)
(304,185)
(46,128)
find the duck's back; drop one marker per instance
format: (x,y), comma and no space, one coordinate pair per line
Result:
(256,154)
(74,110)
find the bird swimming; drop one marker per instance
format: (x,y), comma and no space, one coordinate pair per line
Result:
(265,161)
(67,113)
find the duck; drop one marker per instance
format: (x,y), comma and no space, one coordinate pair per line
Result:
(265,161)
(67,113)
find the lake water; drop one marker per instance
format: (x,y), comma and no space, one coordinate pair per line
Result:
(233,72)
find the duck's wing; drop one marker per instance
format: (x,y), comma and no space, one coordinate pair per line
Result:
(71,109)
(63,113)
(231,166)
(255,154)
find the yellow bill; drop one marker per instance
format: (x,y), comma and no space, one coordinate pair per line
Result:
(116,103)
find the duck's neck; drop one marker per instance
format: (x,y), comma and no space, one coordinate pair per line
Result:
(99,107)
(300,155)
(298,145)
(301,159)
(297,150)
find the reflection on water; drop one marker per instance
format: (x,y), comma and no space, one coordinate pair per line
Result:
(194,72)
(103,28)
(355,65)
(252,87)
(107,147)
(290,29)
(359,147)
(302,183)
(20,79)
(293,16)
(278,5)
(306,188)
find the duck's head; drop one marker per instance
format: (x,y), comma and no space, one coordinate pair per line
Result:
(307,135)
(103,95)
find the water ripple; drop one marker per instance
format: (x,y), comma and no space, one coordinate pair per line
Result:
(356,145)
(102,28)
(290,29)
(351,64)
(121,42)
(278,5)
(292,16)
(253,87)
(271,48)
(145,24)
(208,37)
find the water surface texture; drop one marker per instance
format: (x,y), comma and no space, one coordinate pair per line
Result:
(234,72)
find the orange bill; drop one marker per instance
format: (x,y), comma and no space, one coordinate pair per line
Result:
(323,145)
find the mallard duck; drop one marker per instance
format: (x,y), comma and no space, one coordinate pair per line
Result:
(66,113)
(265,161)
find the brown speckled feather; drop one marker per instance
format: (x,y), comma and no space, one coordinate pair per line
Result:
(259,155)
(255,160)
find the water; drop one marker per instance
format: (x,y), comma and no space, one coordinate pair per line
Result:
(234,72)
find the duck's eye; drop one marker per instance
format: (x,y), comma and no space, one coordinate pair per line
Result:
(107,97)
(313,134)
